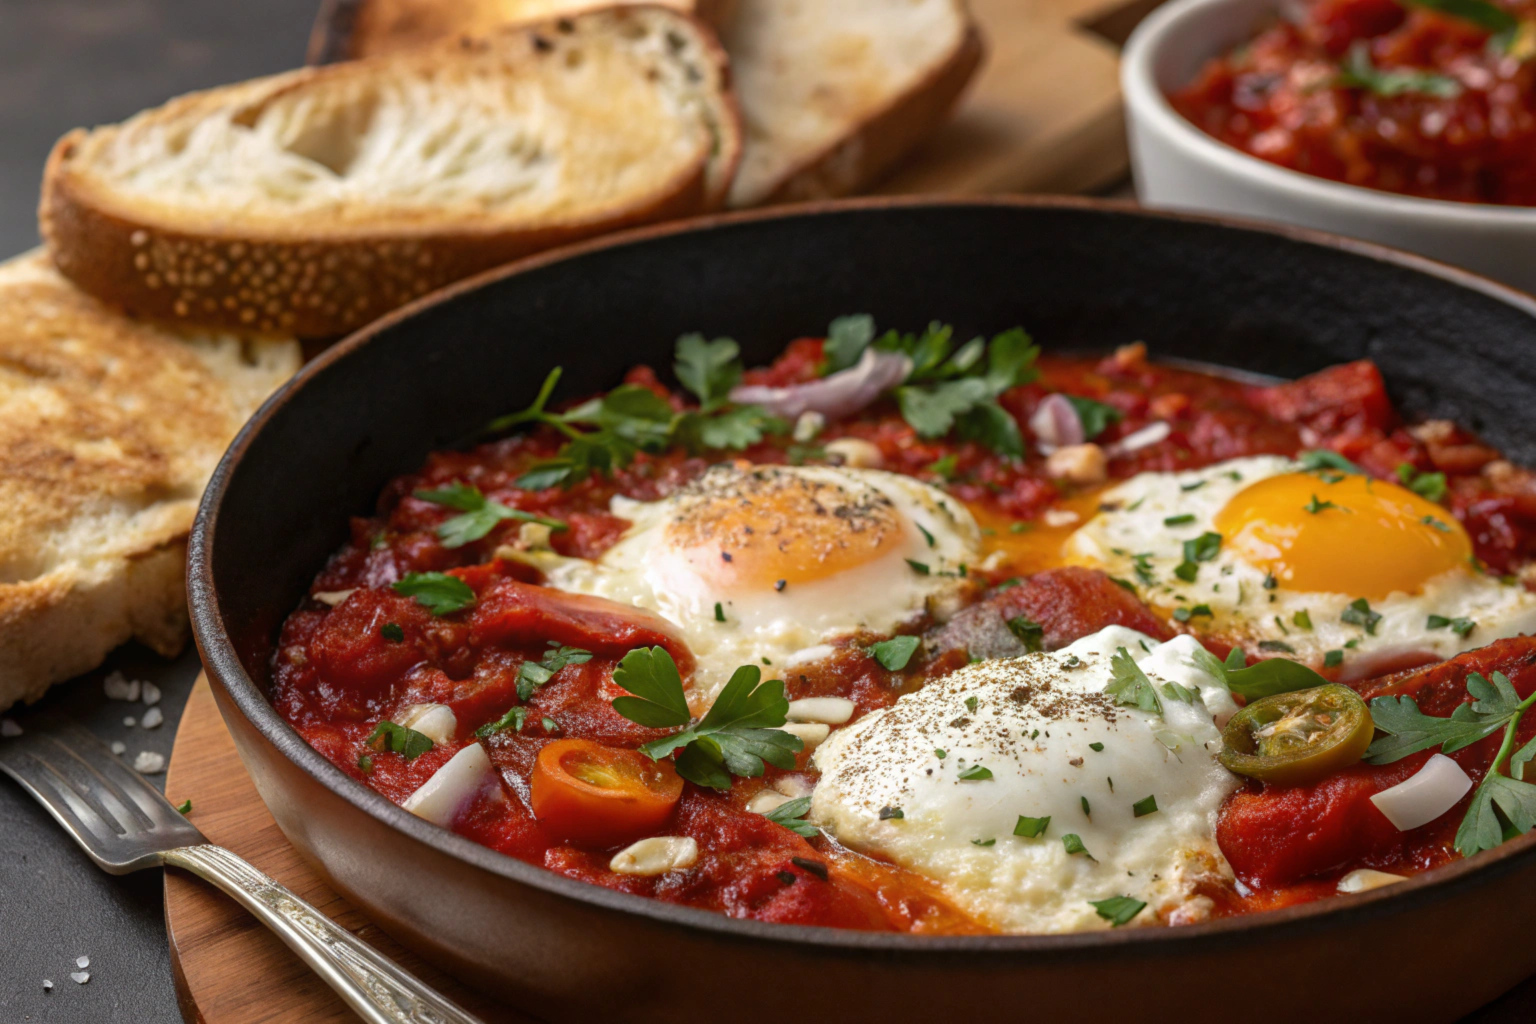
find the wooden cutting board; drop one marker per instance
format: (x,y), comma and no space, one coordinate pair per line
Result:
(228,968)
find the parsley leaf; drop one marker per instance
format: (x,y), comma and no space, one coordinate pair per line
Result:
(480,517)
(536,673)
(709,369)
(1142,808)
(735,737)
(1029,633)
(1263,679)
(1094,416)
(1073,843)
(1130,686)
(1358,72)
(1431,486)
(1117,910)
(1359,614)
(947,392)
(514,719)
(792,816)
(976,773)
(1322,458)
(438,592)
(1460,626)
(406,742)
(1029,828)
(1314,506)
(893,654)
(847,338)
(1409,730)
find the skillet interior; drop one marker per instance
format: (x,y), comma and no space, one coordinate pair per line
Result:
(1076,275)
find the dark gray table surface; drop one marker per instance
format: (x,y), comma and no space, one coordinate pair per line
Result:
(65,63)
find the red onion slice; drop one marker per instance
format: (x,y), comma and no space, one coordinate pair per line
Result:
(1056,424)
(841,394)
(1425,795)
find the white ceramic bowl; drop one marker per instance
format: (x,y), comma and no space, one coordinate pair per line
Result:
(1179,167)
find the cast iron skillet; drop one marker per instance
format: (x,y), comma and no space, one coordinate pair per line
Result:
(1077,274)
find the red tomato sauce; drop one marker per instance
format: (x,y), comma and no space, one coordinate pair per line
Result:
(1468,134)
(337,672)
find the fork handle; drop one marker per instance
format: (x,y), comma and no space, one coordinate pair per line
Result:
(375,988)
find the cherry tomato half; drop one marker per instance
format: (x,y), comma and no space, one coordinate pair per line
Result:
(591,793)
(1295,738)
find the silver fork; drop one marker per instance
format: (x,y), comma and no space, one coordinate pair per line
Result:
(124,824)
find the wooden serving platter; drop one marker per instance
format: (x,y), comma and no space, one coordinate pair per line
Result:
(228,968)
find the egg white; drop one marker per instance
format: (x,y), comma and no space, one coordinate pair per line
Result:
(779,628)
(1129,540)
(1032,725)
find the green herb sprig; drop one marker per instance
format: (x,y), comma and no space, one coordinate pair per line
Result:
(480,514)
(1359,72)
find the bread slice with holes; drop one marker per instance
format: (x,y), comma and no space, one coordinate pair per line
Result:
(109,428)
(833,93)
(349,29)
(313,202)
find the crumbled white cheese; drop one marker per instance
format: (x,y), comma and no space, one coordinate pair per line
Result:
(9,728)
(117,687)
(82,962)
(119,747)
(152,718)
(80,977)
(149,763)
(151,693)
(129,721)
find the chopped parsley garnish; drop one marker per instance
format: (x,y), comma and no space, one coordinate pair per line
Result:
(1186,488)
(364,763)
(406,742)
(735,737)
(940,753)
(956,390)
(1117,910)
(1020,527)
(1031,828)
(1302,619)
(1270,583)
(1186,571)
(926,535)
(1142,564)
(1314,506)
(1182,520)
(919,567)
(887,813)
(1129,685)
(976,773)
(1029,633)
(480,514)
(1322,458)
(392,632)
(814,867)
(946,468)
(532,674)
(971,703)
(719,612)
(1333,659)
(1200,549)
(1438,524)
(1359,614)
(1279,646)
(185,807)
(1095,747)
(847,338)
(1185,614)
(1461,627)
(550,725)
(1094,416)
(1087,812)
(606,433)
(983,842)
(791,815)
(514,719)
(1072,843)
(1426,485)
(893,654)
(1499,800)
(1358,72)
(1145,806)
(438,592)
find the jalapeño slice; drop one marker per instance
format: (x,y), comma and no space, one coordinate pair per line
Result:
(1299,737)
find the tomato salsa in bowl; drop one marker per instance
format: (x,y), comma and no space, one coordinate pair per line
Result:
(691,655)
(1403,123)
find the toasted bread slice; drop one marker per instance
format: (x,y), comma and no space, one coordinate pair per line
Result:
(109,429)
(312,202)
(349,29)
(834,94)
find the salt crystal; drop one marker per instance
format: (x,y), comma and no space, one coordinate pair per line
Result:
(152,718)
(47,985)
(149,762)
(79,977)
(151,693)
(116,687)
(119,747)
(82,962)
(129,721)
(9,728)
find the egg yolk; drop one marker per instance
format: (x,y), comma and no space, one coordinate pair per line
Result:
(1342,534)
(772,529)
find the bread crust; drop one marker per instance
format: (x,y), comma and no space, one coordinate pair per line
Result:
(861,158)
(320,284)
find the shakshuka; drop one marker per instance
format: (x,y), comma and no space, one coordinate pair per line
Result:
(903,633)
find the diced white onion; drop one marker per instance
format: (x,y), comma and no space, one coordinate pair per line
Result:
(1427,794)
(452,786)
(855,452)
(831,710)
(841,394)
(333,597)
(806,655)
(436,722)
(1147,436)
(1059,517)
(766,801)
(808,426)
(656,856)
(1366,879)
(1056,424)
(793,786)
(810,733)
